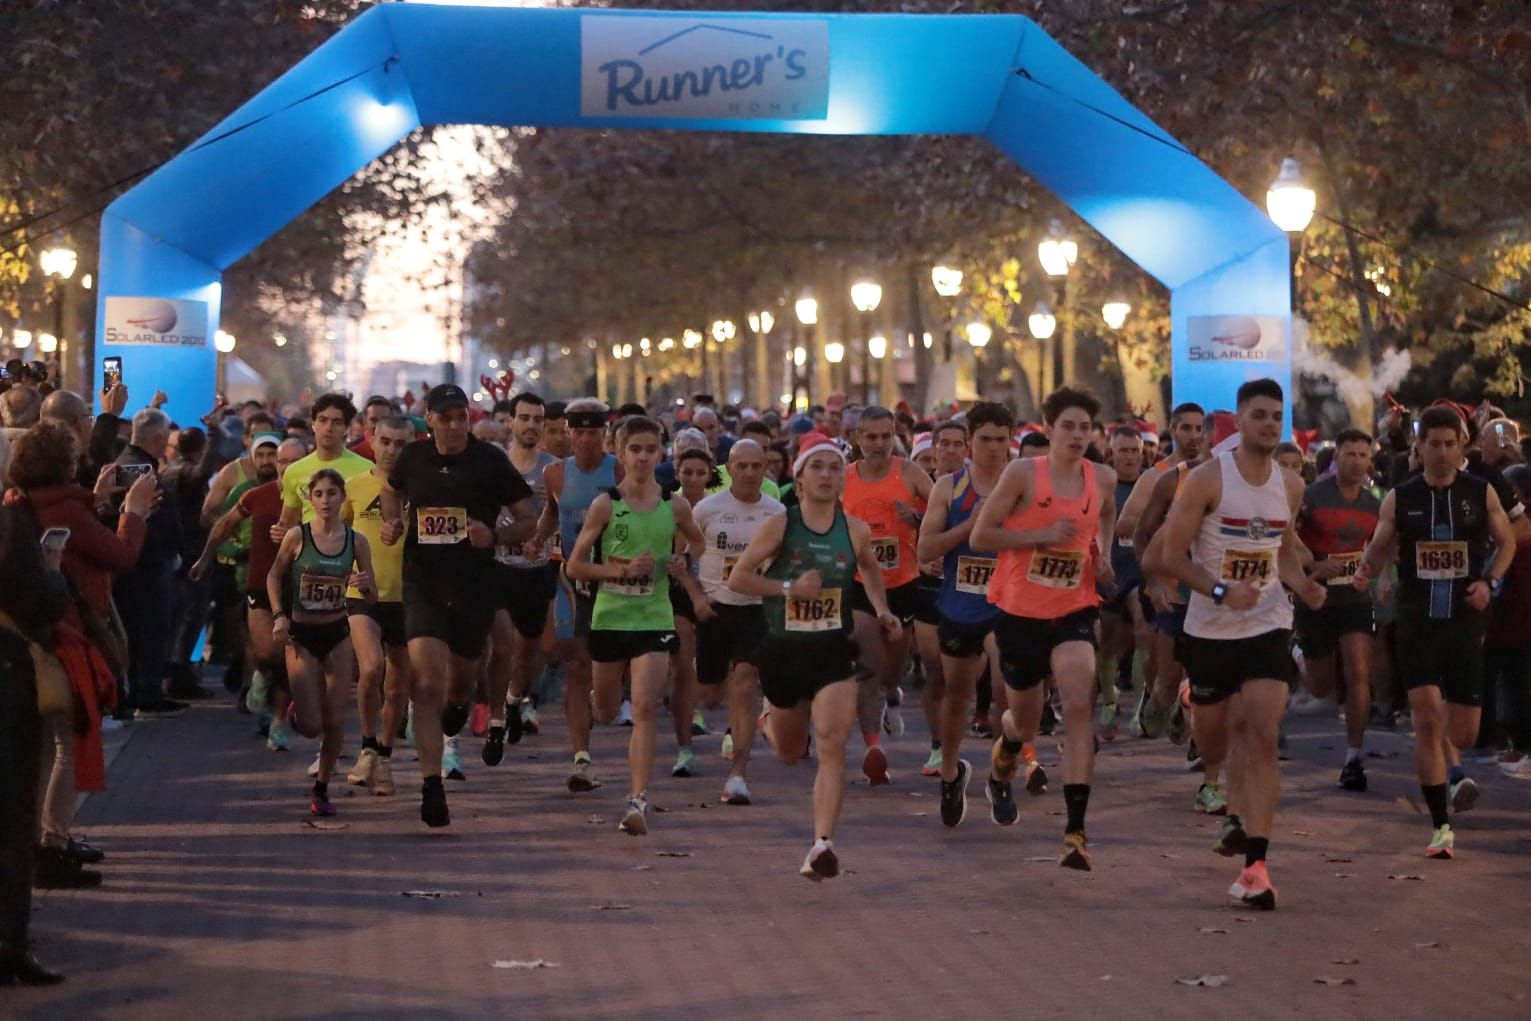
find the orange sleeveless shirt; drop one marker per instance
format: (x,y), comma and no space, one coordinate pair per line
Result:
(893,539)
(1048,582)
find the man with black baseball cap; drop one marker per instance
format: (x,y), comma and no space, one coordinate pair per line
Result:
(454,486)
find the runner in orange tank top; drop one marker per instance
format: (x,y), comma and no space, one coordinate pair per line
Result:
(1050,519)
(887,493)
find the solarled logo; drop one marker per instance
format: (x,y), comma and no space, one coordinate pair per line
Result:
(158,322)
(712,69)
(1236,338)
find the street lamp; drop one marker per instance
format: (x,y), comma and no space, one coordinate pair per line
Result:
(666,343)
(47,343)
(866,296)
(223,343)
(1041,322)
(21,339)
(723,331)
(1058,252)
(807,309)
(979,334)
(878,346)
(761,322)
(691,340)
(834,352)
(59,263)
(946,280)
(1290,200)
(800,356)
(1115,313)
(644,346)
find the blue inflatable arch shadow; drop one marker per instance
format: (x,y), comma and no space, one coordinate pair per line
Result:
(166,242)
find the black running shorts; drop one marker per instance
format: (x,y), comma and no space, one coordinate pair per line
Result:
(1026,644)
(797,670)
(526,593)
(735,635)
(461,620)
(1445,653)
(608,646)
(1319,631)
(389,618)
(1218,667)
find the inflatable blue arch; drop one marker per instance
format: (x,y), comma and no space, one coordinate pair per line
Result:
(165,243)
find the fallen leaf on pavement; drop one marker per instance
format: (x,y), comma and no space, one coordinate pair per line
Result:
(1041,857)
(1337,861)
(1427,946)
(1408,875)
(1301,833)
(1346,960)
(1244,918)
(672,854)
(432,894)
(1211,981)
(917,794)
(321,825)
(528,965)
(612,907)
(1222,931)
(1344,875)
(596,820)
(642,868)
(1326,980)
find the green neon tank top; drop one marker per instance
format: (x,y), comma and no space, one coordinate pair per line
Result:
(640,604)
(236,546)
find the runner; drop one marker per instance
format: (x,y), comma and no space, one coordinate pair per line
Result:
(966,629)
(262,508)
(927,616)
(696,475)
(808,662)
(332,415)
(888,494)
(1049,519)
(1442,524)
(571,487)
(1338,516)
(632,529)
(528,583)
(1230,536)
(731,628)
(377,625)
(306,585)
(455,486)
(1124,633)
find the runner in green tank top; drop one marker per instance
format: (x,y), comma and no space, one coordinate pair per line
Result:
(808,664)
(307,585)
(632,529)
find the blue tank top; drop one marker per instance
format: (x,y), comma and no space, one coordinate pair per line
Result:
(965,573)
(580,488)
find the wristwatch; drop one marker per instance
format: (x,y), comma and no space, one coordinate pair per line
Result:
(1218,592)
(1494,585)
(786,590)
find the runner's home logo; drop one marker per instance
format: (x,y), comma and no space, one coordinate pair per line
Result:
(156,322)
(717,68)
(1236,338)
(1259,528)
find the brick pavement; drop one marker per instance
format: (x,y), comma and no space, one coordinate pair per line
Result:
(221,903)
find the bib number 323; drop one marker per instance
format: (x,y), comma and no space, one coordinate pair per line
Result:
(441,526)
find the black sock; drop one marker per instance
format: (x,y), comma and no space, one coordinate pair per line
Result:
(322,788)
(1255,849)
(369,742)
(384,751)
(1011,747)
(433,780)
(1076,798)
(1435,799)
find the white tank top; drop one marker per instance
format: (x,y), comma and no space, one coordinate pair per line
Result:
(1239,541)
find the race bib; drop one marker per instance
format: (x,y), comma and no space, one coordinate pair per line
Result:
(973,574)
(630,587)
(1254,566)
(1349,562)
(321,593)
(821,613)
(1440,561)
(1056,568)
(885,549)
(441,526)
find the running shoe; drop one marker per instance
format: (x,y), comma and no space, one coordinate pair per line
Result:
(636,822)
(980,726)
(408,737)
(954,795)
(1254,888)
(1003,765)
(698,724)
(255,700)
(454,718)
(451,765)
(366,765)
(1442,844)
(1152,719)
(874,763)
(1105,721)
(276,737)
(1231,838)
(932,765)
(728,747)
(494,747)
(1193,763)
(529,722)
(736,791)
(1353,777)
(382,777)
(1517,769)
(1001,802)
(319,804)
(313,767)
(515,725)
(433,803)
(685,763)
(1464,794)
(625,714)
(1179,727)
(1036,779)
(892,714)
(1076,852)
(1210,799)
(582,777)
(821,863)
(1049,721)
(478,719)
(1303,704)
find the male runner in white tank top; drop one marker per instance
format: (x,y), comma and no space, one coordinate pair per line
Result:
(1234,517)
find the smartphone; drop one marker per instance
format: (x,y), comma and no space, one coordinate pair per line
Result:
(54,539)
(127,474)
(111,372)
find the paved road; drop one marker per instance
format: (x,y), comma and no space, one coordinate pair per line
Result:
(221,902)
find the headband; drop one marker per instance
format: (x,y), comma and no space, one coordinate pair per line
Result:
(586,419)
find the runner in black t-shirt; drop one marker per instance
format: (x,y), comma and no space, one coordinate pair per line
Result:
(454,486)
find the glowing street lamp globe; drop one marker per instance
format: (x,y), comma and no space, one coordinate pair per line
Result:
(1058,252)
(807,309)
(877,346)
(834,352)
(979,334)
(761,322)
(1115,313)
(1291,200)
(47,343)
(1041,322)
(223,341)
(59,262)
(946,280)
(866,296)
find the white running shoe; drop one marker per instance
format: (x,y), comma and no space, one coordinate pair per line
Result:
(625,714)
(822,862)
(451,765)
(1304,704)
(636,822)
(366,765)
(313,767)
(1464,794)
(736,791)
(893,717)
